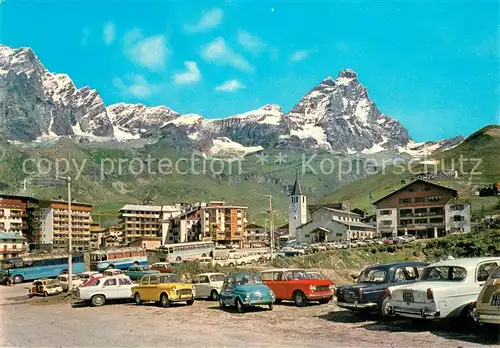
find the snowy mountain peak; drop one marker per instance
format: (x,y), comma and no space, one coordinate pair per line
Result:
(348,74)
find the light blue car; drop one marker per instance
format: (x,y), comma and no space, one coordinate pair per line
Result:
(245,289)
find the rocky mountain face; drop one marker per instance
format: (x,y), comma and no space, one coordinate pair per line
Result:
(336,115)
(36,103)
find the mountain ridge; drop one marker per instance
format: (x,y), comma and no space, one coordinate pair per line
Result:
(336,115)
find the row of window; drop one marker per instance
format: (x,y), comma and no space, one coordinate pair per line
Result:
(419,199)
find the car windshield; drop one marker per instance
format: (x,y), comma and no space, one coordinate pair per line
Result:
(217,278)
(242,279)
(170,278)
(444,273)
(376,276)
(314,276)
(298,274)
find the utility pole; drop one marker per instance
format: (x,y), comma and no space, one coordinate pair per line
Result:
(271,223)
(70,235)
(349,224)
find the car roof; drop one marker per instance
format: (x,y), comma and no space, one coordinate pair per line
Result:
(243,274)
(283,269)
(398,264)
(209,274)
(465,262)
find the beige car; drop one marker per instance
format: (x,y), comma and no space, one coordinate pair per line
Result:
(488,303)
(208,285)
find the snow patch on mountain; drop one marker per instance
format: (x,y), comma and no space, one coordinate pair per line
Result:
(226,147)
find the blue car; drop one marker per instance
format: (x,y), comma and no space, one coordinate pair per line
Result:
(243,290)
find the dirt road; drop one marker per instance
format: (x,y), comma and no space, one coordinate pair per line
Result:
(40,322)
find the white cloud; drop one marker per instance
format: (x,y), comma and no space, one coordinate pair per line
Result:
(209,20)
(230,86)
(109,33)
(300,55)
(249,42)
(150,52)
(218,52)
(192,75)
(134,85)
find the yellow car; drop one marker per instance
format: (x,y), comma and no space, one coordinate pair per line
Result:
(164,289)
(488,303)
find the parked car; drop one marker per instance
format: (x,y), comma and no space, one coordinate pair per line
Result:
(295,285)
(64,281)
(368,293)
(488,303)
(409,238)
(111,272)
(106,289)
(137,272)
(163,288)
(45,287)
(162,267)
(86,276)
(245,289)
(205,260)
(208,285)
(388,241)
(446,289)
(315,275)
(399,240)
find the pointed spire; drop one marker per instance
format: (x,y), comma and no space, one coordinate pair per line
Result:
(296,190)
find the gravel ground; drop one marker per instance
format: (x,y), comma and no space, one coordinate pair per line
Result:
(40,322)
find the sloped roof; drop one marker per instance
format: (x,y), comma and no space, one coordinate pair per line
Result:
(413,182)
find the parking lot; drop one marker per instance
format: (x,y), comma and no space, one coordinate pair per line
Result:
(50,322)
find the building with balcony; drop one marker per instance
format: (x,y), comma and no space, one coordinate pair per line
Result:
(256,236)
(423,209)
(96,234)
(223,224)
(11,244)
(54,225)
(19,214)
(138,221)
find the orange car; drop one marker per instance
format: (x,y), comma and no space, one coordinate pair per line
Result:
(296,285)
(163,267)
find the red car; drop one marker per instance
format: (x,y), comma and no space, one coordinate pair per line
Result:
(163,267)
(296,285)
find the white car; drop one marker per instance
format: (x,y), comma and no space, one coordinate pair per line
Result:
(446,289)
(107,289)
(208,285)
(64,281)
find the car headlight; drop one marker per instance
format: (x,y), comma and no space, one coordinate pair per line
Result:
(312,287)
(173,288)
(271,293)
(247,295)
(332,287)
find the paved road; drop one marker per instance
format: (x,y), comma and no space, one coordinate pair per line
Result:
(40,322)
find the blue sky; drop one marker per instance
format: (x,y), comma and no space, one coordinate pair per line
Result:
(434,66)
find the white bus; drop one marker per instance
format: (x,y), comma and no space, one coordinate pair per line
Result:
(188,251)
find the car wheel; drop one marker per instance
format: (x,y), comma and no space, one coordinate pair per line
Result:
(231,264)
(222,305)
(467,314)
(178,258)
(98,300)
(386,310)
(111,267)
(299,298)
(45,294)
(17,279)
(164,301)
(214,295)
(64,271)
(270,306)
(239,306)
(243,264)
(190,302)
(137,299)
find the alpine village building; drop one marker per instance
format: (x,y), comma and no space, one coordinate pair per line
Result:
(422,209)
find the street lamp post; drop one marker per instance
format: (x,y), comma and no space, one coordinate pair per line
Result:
(70,236)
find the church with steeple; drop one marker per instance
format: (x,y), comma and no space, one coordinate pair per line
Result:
(297,209)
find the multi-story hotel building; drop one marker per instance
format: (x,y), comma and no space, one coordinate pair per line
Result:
(54,228)
(422,209)
(223,224)
(138,221)
(11,244)
(18,214)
